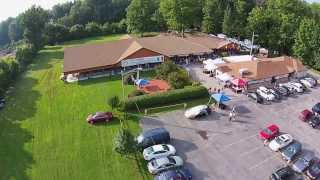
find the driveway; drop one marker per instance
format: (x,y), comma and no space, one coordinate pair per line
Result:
(196,74)
(214,148)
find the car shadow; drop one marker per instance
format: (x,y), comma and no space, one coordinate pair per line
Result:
(197,174)
(242,109)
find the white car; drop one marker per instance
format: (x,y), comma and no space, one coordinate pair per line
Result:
(197,111)
(280,142)
(308,82)
(161,164)
(265,93)
(158,151)
(297,86)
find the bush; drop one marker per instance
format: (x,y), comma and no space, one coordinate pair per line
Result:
(113,102)
(136,93)
(164,98)
(9,69)
(178,80)
(165,69)
(25,53)
(93,29)
(196,83)
(124,143)
(127,80)
(77,31)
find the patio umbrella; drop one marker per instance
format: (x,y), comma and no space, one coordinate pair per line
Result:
(220,97)
(141,82)
(239,82)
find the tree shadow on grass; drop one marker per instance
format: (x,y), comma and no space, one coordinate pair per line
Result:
(99,80)
(21,105)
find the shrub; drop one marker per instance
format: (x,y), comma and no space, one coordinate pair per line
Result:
(93,29)
(165,69)
(136,93)
(113,102)
(178,80)
(124,143)
(77,31)
(25,54)
(196,83)
(164,98)
(127,79)
(9,69)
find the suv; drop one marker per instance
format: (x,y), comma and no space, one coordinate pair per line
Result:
(255,97)
(281,173)
(153,137)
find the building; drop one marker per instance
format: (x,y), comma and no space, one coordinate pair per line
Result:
(110,58)
(263,71)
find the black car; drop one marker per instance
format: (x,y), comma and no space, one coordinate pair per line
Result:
(289,152)
(255,97)
(316,108)
(276,94)
(179,174)
(282,173)
(2,103)
(314,121)
(153,137)
(282,90)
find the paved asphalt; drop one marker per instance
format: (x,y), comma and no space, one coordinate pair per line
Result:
(216,149)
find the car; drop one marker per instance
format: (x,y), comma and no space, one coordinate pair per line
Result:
(282,90)
(157,151)
(316,108)
(276,94)
(161,164)
(179,174)
(305,115)
(269,133)
(289,152)
(280,142)
(2,103)
(265,93)
(197,111)
(255,97)
(282,173)
(313,171)
(99,117)
(312,80)
(153,137)
(307,83)
(289,87)
(298,87)
(314,121)
(302,163)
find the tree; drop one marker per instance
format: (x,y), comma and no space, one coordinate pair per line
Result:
(113,102)
(77,31)
(139,15)
(180,14)
(15,31)
(228,22)
(81,13)
(34,20)
(178,80)
(213,16)
(307,42)
(165,69)
(4,28)
(56,33)
(93,29)
(124,143)
(61,10)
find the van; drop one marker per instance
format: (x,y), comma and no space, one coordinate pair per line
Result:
(153,137)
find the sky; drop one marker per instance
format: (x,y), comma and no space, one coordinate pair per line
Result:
(11,8)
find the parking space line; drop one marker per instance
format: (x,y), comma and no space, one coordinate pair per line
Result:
(262,162)
(241,140)
(251,151)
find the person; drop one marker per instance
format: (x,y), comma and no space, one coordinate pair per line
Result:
(230,116)
(210,90)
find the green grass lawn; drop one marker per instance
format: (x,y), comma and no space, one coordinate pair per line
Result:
(43,132)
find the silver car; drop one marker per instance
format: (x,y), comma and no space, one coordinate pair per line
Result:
(302,163)
(158,151)
(158,165)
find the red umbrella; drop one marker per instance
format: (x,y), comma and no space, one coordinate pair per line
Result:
(239,82)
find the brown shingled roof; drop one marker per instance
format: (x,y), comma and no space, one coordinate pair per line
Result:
(211,42)
(263,68)
(111,53)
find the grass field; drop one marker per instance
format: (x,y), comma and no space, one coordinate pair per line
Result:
(43,133)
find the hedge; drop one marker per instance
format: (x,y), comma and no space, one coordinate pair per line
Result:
(164,98)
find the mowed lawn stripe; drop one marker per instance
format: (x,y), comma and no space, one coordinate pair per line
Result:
(52,139)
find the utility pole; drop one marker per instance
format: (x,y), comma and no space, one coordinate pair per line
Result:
(252,41)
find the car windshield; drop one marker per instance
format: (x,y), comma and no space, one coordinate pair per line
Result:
(171,160)
(279,140)
(149,150)
(166,148)
(268,131)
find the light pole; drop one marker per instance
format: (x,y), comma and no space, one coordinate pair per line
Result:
(252,42)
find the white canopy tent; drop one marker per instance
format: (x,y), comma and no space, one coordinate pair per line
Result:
(210,67)
(214,61)
(224,77)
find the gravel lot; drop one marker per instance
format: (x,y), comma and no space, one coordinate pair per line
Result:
(216,149)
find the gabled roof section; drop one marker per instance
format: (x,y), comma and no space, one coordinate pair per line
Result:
(211,42)
(134,47)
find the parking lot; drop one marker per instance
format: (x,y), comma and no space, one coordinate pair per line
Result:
(214,148)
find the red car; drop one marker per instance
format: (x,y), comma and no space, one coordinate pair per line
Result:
(99,117)
(305,115)
(270,132)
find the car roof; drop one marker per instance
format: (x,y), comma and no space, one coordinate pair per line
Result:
(156,130)
(158,147)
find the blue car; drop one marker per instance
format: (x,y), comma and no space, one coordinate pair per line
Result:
(181,174)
